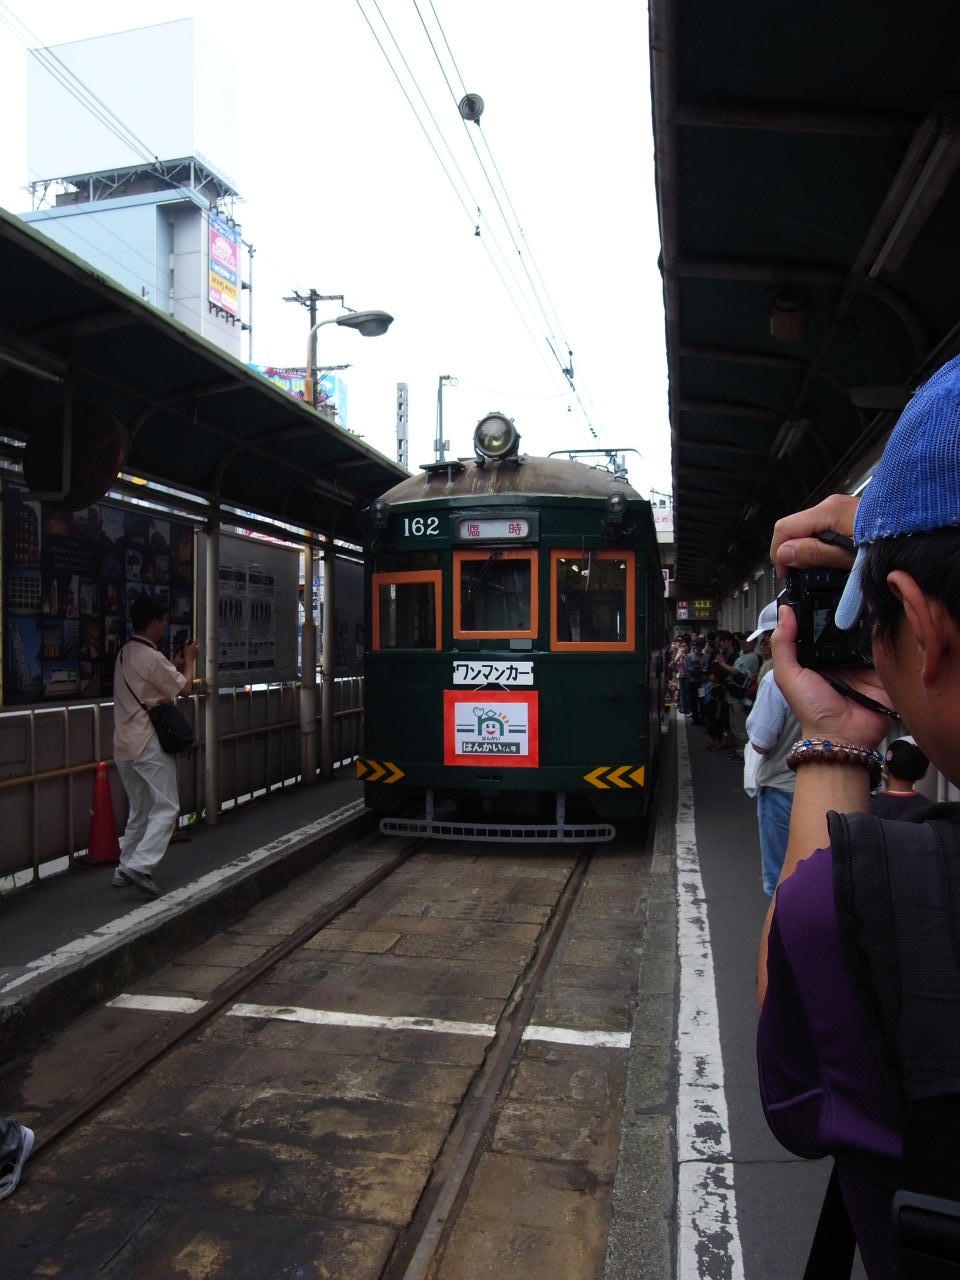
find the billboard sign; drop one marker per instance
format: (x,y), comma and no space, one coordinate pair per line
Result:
(224,275)
(70,579)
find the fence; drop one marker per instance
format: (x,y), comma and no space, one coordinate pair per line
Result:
(48,758)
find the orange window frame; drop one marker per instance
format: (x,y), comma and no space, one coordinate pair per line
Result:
(530,633)
(378,580)
(595,646)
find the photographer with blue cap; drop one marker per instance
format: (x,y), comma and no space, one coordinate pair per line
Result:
(859,975)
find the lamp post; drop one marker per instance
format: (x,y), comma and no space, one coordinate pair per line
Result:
(369,324)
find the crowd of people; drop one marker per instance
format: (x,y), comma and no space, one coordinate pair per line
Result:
(724,682)
(713,680)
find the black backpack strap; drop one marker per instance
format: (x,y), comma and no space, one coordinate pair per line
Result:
(897,893)
(834,1244)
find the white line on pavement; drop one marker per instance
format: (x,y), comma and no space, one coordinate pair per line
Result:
(333,1018)
(708,1241)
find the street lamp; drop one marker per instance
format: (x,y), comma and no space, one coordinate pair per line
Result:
(369,324)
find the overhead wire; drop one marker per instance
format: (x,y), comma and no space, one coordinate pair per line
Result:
(474,202)
(473,220)
(496,170)
(518,293)
(476,153)
(536,291)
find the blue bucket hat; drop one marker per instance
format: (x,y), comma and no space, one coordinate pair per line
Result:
(916,486)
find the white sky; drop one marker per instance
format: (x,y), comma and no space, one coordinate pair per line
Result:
(342,192)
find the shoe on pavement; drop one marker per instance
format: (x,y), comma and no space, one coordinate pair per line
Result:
(118,881)
(12,1166)
(141,880)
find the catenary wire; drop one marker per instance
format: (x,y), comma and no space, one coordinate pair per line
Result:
(518,290)
(567,371)
(473,201)
(467,210)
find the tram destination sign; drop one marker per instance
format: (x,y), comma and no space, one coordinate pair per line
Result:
(499,528)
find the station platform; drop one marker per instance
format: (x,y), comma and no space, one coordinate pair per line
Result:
(72,936)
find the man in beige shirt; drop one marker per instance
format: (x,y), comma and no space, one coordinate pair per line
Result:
(149,775)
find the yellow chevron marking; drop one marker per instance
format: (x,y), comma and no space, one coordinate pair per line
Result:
(616,778)
(396,772)
(594,778)
(638,775)
(361,767)
(377,771)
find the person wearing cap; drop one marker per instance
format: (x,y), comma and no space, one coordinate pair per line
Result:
(772,729)
(903,765)
(822,1079)
(739,664)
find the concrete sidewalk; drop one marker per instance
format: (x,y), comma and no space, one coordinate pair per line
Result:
(73,938)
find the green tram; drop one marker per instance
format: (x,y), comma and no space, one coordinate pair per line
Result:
(514,660)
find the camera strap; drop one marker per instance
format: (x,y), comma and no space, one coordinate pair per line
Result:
(862,699)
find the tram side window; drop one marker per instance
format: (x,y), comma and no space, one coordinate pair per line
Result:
(406,611)
(495,593)
(592,600)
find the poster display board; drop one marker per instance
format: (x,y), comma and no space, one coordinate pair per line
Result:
(69,579)
(257,610)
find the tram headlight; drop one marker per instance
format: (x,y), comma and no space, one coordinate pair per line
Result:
(616,506)
(379,513)
(495,436)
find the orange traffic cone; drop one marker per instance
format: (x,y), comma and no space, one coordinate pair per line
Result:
(103,845)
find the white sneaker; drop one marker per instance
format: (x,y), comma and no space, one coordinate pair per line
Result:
(142,880)
(12,1166)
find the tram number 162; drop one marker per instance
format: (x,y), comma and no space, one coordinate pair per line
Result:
(418,526)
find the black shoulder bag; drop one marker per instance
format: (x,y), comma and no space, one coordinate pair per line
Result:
(897,891)
(173,729)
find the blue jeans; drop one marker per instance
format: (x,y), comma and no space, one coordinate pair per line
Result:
(773,819)
(684,683)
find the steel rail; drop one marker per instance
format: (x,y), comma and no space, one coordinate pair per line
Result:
(222,996)
(475,1115)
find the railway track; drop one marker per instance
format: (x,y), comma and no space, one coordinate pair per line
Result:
(417,1059)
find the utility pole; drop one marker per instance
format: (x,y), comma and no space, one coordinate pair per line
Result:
(310,300)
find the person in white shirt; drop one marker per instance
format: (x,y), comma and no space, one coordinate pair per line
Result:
(149,776)
(772,729)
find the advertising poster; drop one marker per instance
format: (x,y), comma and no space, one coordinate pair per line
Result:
(256,609)
(248,620)
(487,728)
(224,266)
(69,579)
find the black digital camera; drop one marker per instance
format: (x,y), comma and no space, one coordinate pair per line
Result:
(814,594)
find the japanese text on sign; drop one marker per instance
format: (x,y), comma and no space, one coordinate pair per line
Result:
(477,673)
(473,530)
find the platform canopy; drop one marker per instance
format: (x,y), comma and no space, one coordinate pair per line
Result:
(806,167)
(147,393)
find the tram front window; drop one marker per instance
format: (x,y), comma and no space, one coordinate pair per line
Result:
(406,615)
(495,594)
(593,599)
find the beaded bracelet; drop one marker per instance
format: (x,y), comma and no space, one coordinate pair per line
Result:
(822,749)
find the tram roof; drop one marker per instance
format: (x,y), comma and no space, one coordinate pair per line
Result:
(806,157)
(198,420)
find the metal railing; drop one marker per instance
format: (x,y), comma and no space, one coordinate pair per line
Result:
(49,756)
